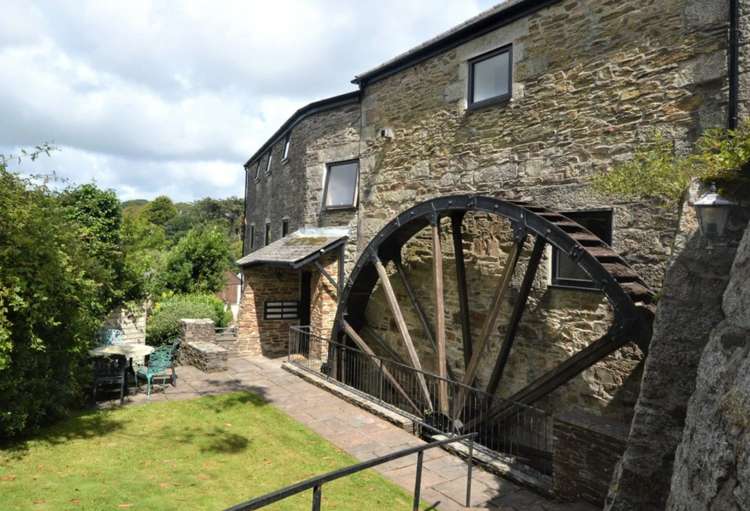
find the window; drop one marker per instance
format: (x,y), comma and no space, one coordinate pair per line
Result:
(252,236)
(490,78)
(267,236)
(341,185)
(287,143)
(284,228)
(268,164)
(257,171)
(565,272)
(280,310)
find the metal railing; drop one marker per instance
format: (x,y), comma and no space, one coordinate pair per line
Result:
(522,431)
(316,483)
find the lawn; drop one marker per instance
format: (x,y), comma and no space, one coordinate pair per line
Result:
(207,453)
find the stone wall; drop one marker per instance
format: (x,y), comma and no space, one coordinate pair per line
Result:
(586,450)
(323,304)
(132,322)
(200,330)
(689,308)
(293,190)
(712,462)
(257,336)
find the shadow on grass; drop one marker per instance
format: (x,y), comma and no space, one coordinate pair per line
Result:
(83,425)
(99,423)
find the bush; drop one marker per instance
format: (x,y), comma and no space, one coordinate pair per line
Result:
(51,304)
(164,323)
(198,262)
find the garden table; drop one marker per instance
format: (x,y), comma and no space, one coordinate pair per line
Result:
(134,353)
(130,350)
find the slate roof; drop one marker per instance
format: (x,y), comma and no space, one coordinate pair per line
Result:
(297,249)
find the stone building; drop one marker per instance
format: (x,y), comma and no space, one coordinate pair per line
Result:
(528,100)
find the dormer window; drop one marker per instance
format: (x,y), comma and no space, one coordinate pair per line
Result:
(268,164)
(490,78)
(287,143)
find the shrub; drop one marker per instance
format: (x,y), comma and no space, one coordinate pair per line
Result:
(657,172)
(164,323)
(51,304)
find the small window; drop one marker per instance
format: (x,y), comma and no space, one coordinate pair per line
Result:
(280,310)
(257,171)
(565,272)
(267,236)
(268,164)
(252,237)
(341,185)
(490,78)
(287,143)
(284,228)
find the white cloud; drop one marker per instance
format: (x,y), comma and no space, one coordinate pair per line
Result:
(171,96)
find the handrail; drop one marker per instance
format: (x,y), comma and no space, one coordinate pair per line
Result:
(316,483)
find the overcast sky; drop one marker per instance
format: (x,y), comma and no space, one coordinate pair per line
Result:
(152,98)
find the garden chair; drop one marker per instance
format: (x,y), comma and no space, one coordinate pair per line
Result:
(160,366)
(110,336)
(110,371)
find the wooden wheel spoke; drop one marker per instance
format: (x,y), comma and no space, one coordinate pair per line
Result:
(489,322)
(437,271)
(418,308)
(463,296)
(401,325)
(354,336)
(551,380)
(515,317)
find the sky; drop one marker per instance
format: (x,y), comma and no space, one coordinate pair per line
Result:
(171,98)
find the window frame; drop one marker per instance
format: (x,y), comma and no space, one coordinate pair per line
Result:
(494,100)
(284,227)
(252,237)
(355,199)
(577,284)
(287,144)
(267,235)
(257,170)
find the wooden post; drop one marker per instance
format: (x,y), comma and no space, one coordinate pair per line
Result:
(437,267)
(463,296)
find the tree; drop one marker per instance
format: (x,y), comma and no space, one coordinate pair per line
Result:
(160,211)
(97,217)
(198,262)
(50,301)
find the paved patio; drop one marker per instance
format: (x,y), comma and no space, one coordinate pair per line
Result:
(359,433)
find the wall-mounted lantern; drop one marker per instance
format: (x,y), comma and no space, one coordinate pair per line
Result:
(713,213)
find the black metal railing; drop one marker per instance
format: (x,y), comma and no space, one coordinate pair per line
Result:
(440,406)
(316,483)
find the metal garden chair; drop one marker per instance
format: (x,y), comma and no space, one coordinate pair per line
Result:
(160,367)
(110,371)
(110,336)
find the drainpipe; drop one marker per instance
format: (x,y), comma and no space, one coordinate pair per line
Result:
(734,63)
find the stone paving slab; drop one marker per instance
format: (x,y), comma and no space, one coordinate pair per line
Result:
(359,433)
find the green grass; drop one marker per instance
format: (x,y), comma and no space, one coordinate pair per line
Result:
(208,453)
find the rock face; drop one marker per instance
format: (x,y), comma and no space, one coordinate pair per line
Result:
(712,463)
(688,311)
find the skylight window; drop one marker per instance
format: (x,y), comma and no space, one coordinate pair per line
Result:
(287,143)
(268,164)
